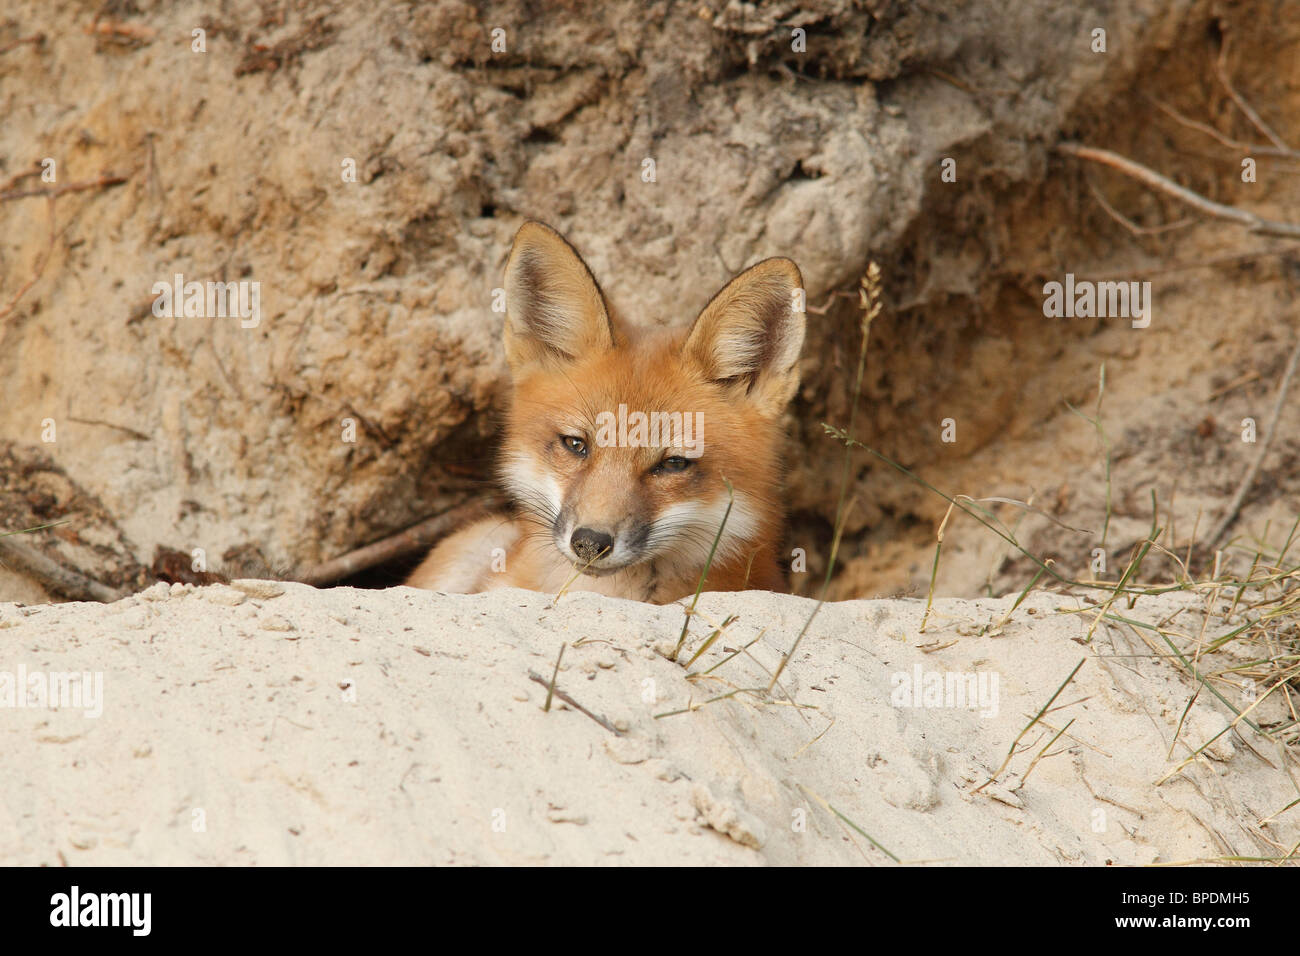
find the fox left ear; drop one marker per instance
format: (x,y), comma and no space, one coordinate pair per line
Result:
(750,333)
(555,312)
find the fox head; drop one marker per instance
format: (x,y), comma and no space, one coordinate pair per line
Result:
(624,448)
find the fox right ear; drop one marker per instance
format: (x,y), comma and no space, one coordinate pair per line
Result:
(555,312)
(750,334)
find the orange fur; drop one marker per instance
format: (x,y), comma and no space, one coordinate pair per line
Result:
(573,365)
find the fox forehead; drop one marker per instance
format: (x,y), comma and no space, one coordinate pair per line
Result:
(647,375)
(649,372)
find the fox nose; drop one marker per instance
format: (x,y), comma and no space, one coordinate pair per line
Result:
(590,544)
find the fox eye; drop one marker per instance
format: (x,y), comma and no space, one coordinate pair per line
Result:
(674,463)
(575,444)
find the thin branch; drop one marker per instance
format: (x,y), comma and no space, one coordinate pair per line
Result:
(118,30)
(1153,180)
(1220,68)
(400,545)
(137,435)
(16,178)
(1251,376)
(539,679)
(1229,142)
(102,182)
(36,39)
(1128,223)
(54,576)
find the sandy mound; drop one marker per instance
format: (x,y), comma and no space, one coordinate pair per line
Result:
(276,724)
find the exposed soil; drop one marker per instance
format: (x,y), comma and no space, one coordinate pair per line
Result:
(1176,393)
(203,435)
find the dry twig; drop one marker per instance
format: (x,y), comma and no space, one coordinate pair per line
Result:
(54,576)
(539,679)
(103,181)
(36,39)
(400,545)
(1220,138)
(1153,180)
(1256,121)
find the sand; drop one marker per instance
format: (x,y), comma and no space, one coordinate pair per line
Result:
(266,723)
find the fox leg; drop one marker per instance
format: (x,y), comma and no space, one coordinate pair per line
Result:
(462,563)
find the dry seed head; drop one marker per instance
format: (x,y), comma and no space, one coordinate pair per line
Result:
(869,295)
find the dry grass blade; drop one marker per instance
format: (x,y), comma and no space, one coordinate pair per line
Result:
(934,569)
(712,637)
(550,690)
(686,621)
(1037,717)
(830,809)
(869,297)
(1243,489)
(1042,753)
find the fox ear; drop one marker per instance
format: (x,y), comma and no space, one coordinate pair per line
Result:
(555,312)
(751,334)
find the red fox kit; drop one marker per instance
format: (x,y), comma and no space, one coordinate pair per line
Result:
(619,443)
